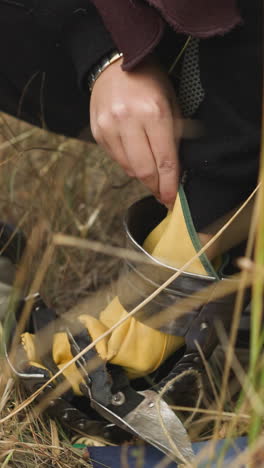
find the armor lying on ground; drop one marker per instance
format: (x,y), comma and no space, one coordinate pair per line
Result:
(101,399)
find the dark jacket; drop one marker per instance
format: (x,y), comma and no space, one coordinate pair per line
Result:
(90,29)
(137,26)
(46,47)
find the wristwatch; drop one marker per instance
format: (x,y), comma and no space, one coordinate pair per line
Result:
(98,69)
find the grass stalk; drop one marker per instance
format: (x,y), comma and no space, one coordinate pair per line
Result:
(256,374)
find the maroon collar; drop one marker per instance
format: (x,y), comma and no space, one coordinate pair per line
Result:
(137,25)
(200,18)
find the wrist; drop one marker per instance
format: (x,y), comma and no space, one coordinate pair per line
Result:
(101,66)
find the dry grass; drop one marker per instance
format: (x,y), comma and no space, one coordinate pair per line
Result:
(54,185)
(51,184)
(38,444)
(67,186)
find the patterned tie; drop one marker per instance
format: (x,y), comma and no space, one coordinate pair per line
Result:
(191,92)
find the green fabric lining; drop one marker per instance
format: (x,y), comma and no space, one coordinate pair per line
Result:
(193,234)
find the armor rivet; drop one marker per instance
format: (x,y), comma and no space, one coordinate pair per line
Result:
(66,415)
(151,405)
(203,326)
(52,403)
(89,381)
(81,425)
(118,399)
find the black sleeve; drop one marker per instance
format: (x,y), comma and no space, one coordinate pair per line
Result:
(86,41)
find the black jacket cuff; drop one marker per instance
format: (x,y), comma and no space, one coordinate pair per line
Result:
(86,41)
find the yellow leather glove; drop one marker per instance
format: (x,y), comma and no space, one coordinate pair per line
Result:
(61,354)
(48,344)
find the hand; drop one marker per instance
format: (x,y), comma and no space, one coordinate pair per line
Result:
(135,117)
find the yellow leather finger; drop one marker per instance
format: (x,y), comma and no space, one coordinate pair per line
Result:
(133,345)
(28,342)
(62,354)
(175,246)
(154,237)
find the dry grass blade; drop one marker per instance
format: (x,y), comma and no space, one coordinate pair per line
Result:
(35,287)
(18,139)
(257,339)
(6,393)
(163,425)
(85,244)
(212,412)
(55,439)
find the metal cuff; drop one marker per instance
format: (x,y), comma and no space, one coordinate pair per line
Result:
(101,67)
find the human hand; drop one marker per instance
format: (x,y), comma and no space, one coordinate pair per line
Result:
(136,119)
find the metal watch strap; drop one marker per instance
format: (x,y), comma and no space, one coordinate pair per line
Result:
(101,66)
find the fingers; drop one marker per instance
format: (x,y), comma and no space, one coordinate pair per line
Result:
(163,139)
(107,135)
(139,155)
(131,150)
(146,148)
